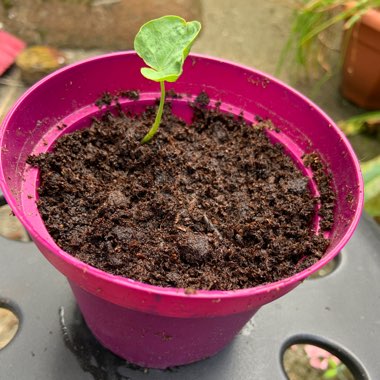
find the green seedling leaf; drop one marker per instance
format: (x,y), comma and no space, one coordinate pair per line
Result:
(164,44)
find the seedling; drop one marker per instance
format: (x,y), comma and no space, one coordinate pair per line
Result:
(164,44)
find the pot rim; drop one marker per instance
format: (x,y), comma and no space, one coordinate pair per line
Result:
(180,292)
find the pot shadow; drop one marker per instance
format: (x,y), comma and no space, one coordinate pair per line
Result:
(92,357)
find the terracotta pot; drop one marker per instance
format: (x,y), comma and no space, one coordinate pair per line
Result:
(361,66)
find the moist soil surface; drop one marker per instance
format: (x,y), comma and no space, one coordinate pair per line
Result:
(211,205)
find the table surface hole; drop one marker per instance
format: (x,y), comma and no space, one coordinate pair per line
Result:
(314,358)
(326,270)
(9,324)
(10,227)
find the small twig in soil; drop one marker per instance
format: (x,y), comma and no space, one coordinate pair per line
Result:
(212,226)
(191,205)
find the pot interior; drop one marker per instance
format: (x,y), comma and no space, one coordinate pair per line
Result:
(64,102)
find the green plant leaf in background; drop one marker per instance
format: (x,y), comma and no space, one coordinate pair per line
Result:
(330,373)
(371,177)
(368,122)
(164,44)
(312,19)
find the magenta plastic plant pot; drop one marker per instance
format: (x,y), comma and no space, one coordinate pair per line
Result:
(148,325)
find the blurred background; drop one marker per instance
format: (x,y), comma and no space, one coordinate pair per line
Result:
(286,38)
(327,49)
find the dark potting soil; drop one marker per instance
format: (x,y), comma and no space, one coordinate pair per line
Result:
(212,205)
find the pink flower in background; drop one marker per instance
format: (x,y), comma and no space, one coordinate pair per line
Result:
(319,358)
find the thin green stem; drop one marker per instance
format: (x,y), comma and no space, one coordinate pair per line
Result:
(157,121)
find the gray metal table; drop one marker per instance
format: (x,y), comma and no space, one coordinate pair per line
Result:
(340,311)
